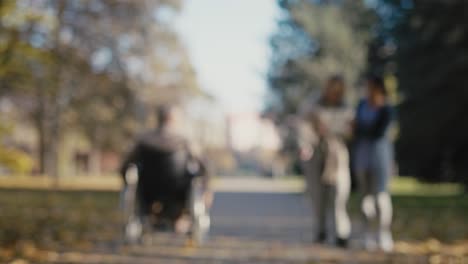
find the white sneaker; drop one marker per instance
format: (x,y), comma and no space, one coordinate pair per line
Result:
(386,241)
(133,231)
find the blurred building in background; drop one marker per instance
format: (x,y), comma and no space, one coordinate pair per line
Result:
(249,131)
(255,141)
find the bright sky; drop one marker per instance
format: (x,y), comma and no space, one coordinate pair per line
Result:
(228,44)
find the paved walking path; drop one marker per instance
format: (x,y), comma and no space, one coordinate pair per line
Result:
(254,220)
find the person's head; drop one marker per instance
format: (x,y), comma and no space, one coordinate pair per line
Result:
(165,115)
(376,91)
(334,91)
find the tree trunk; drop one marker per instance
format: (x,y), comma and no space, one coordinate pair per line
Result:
(57,101)
(47,126)
(39,121)
(42,149)
(53,146)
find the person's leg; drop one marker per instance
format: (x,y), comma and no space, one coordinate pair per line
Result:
(368,198)
(320,203)
(341,195)
(135,216)
(314,196)
(362,158)
(342,221)
(328,216)
(368,209)
(382,173)
(180,208)
(384,211)
(367,201)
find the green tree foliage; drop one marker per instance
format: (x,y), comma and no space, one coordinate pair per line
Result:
(314,40)
(430,39)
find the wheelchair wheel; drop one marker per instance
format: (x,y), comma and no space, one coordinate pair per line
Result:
(199,213)
(133,228)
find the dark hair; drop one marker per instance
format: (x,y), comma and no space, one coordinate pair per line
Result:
(163,113)
(335,80)
(378,84)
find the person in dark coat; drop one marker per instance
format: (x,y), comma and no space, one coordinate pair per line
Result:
(166,166)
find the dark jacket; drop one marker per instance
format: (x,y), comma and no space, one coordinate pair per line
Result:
(164,166)
(378,128)
(154,148)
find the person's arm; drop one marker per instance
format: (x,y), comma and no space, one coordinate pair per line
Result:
(205,173)
(383,122)
(202,169)
(129,159)
(306,139)
(357,126)
(331,162)
(346,126)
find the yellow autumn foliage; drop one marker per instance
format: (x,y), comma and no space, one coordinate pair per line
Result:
(16,161)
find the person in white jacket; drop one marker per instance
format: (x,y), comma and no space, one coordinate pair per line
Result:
(326,162)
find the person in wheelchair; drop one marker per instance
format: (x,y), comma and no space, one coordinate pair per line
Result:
(167,169)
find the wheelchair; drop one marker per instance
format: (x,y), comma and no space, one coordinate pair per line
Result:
(155,206)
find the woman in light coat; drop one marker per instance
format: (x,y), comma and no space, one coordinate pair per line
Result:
(326,162)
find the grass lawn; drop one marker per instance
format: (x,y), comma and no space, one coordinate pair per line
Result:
(39,219)
(64,216)
(440,217)
(423,211)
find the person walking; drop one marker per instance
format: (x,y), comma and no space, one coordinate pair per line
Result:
(373,157)
(326,163)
